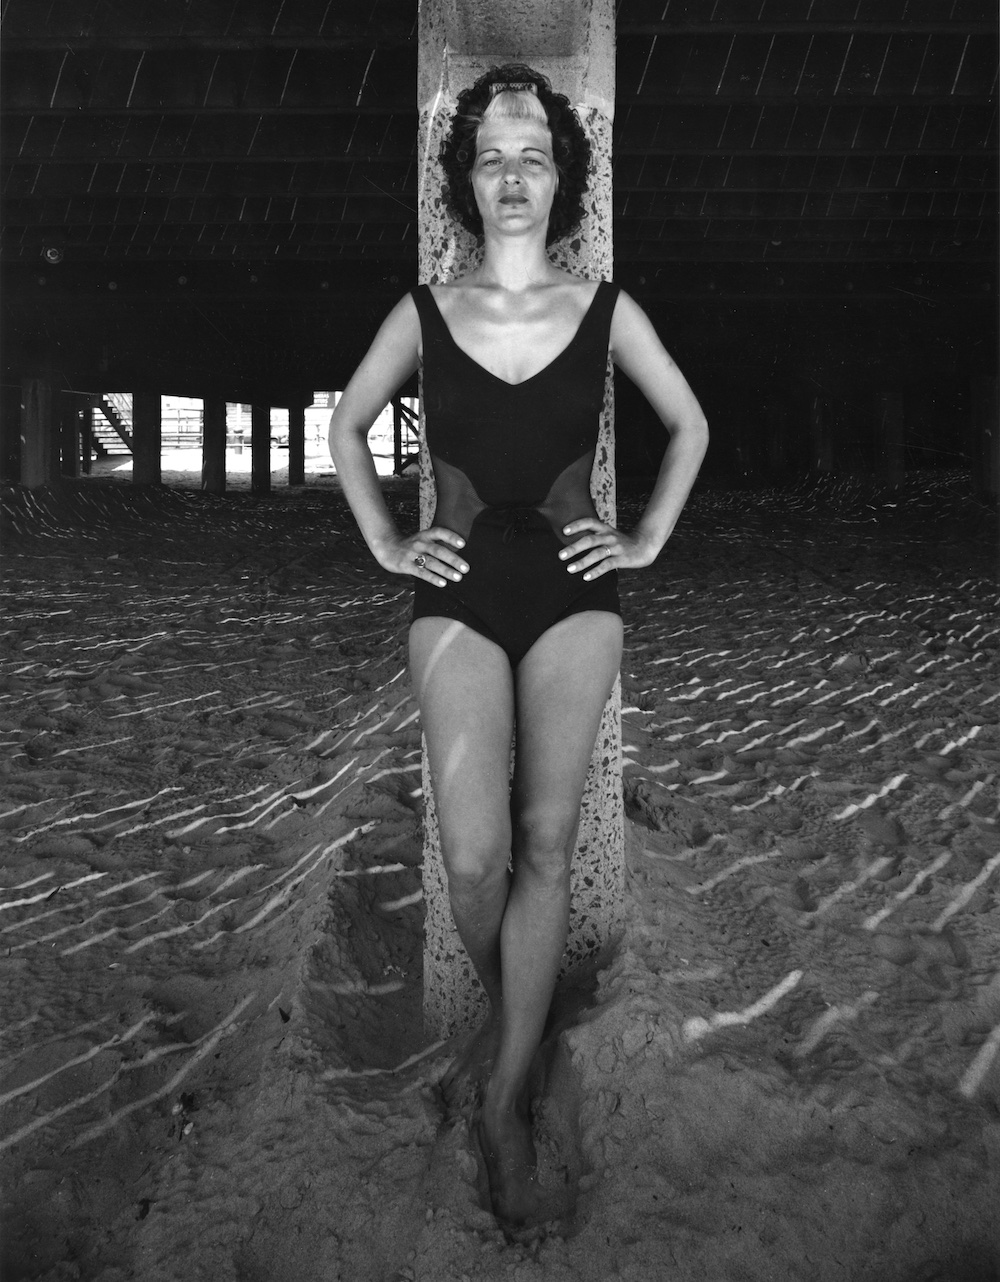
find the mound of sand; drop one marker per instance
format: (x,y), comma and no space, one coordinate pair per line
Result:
(212,1061)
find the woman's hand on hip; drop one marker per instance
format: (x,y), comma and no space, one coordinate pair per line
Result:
(432,555)
(598,548)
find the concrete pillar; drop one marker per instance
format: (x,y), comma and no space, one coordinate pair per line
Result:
(891,427)
(296,445)
(572,42)
(260,449)
(40,413)
(820,435)
(147,429)
(213,445)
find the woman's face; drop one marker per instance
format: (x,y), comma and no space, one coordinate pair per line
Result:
(514,176)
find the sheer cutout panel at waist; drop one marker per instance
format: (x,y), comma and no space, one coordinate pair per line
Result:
(568,499)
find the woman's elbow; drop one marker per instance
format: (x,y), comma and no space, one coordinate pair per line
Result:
(338,433)
(332,440)
(693,430)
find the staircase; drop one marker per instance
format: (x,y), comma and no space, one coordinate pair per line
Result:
(112,424)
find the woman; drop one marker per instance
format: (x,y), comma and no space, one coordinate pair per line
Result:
(516,616)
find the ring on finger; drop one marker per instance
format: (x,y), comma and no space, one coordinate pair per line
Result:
(420,560)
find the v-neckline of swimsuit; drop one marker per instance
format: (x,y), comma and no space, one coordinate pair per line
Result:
(538,373)
(512,465)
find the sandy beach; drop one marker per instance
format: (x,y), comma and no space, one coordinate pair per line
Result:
(212,1059)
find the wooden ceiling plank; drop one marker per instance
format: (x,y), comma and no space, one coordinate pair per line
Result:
(747,56)
(868,16)
(989,135)
(157,79)
(941,65)
(968,232)
(166,203)
(977,73)
(864,64)
(786,65)
(738,124)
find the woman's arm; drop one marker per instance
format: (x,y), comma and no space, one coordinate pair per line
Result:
(636,349)
(389,362)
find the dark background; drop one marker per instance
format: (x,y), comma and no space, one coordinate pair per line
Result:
(805,203)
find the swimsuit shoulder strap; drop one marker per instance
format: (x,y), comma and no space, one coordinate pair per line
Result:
(431,320)
(604,303)
(595,329)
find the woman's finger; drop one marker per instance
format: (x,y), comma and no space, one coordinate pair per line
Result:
(440,534)
(434,563)
(431,555)
(443,545)
(598,560)
(586,524)
(424,566)
(443,560)
(602,565)
(606,539)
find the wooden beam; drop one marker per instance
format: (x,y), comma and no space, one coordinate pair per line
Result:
(146,437)
(260,449)
(213,466)
(857,25)
(297,445)
(890,424)
(42,216)
(40,414)
(377,37)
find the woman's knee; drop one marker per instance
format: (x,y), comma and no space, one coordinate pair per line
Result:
(544,841)
(475,863)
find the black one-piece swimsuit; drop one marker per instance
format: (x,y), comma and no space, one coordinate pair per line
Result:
(512,463)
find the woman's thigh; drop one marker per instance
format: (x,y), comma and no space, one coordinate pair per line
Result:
(562,686)
(465,689)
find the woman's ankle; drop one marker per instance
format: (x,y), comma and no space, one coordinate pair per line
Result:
(505,1101)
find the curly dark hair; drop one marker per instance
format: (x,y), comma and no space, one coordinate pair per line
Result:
(570,149)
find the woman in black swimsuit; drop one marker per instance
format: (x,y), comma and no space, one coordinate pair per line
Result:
(516,616)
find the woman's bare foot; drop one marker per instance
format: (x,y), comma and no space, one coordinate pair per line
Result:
(464,1082)
(511,1166)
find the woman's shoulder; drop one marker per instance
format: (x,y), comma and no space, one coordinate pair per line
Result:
(402,324)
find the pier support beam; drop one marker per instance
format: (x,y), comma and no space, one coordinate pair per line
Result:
(87,436)
(572,42)
(820,435)
(40,427)
(986,437)
(260,449)
(71,434)
(10,431)
(892,438)
(147,438)
(213,445)
(296,445)
(776,439)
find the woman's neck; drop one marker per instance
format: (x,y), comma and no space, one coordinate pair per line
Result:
(515,264)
